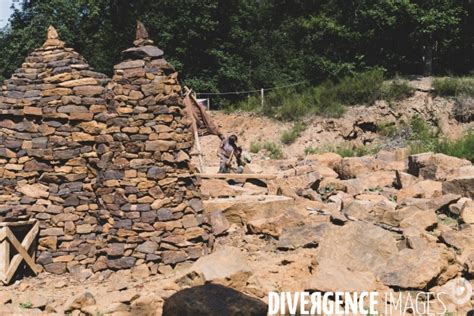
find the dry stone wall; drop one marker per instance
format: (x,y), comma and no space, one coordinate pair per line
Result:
(102,164)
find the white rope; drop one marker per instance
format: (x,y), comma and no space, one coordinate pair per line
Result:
(251,91)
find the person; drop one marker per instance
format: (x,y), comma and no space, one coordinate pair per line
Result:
(229,150)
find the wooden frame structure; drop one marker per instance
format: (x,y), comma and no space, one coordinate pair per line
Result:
(9,244)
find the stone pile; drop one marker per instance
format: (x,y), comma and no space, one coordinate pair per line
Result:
(51,108)
(103,165)
(152,204)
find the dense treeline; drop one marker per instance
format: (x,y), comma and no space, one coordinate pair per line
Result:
(237,45)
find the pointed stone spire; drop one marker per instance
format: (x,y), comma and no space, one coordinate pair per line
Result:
(53,38)
(141,37)
(143,46)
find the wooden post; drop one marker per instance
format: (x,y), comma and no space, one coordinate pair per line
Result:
(198,147)
(195,131)
(261,96)
(4,254)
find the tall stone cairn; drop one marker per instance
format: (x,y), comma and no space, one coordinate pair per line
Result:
(152,208)
(51,115)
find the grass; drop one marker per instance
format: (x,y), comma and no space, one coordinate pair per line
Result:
(454,86)
(462,148)
(274,151)
(425,138)
(344,150)
(290,136)
(26,305)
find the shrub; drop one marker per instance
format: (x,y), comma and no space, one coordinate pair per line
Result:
(361,88)
(324,100)
(462,148)
(255,147)
(347,151)
(274,151)
(422,137)
(454,86)
(344,150)
(289,137)
(397,90)
(387,129)
(311,150)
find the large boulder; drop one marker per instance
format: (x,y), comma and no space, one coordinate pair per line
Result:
(242,209)
(463,185)
(274,226)
(414,269)
(434,166)
(302,236)
(227,265)
(213,300)
(422,189)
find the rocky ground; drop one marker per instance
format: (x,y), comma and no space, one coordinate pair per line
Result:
(391,223)
(386,223)
(360,125)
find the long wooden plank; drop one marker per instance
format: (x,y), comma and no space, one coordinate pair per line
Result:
(236,176)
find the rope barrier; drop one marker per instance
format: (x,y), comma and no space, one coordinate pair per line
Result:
(251,91)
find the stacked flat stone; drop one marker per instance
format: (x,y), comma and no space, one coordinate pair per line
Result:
(103,165)
(152,203)
(51,114)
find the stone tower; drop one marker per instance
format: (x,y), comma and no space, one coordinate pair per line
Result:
(151,197)
(51,113)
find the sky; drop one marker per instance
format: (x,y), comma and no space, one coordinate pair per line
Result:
(5,11)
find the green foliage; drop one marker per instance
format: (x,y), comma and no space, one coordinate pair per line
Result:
(348,151)
(26,305)
(454,86)
(344,150)
(244,45)
(289,137)
(387,129)
(311,150)
(274,151)
(424,138)
(462,148)
(327,99)
(397,90)
(255,147)
(362,88)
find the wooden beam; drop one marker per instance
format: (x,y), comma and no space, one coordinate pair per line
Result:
(19,223)
(237,176)
(23,247)
(4,255)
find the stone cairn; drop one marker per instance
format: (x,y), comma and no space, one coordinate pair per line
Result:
(152,202)
(103,165)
